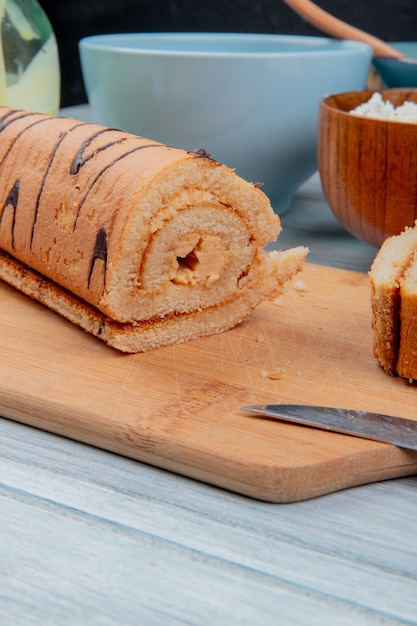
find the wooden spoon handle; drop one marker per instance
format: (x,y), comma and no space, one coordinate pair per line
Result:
(333,26)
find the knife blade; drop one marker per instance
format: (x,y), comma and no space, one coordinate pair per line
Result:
(398,431)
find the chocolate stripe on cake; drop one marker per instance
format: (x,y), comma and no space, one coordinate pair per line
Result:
(62,136)
(18,136)
(99,253)
(21,114)
(107,167)
(11,201)
(80,160)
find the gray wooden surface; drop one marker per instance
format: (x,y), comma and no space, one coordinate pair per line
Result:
(88,537)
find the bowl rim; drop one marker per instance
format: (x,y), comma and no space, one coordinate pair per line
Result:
(367,93)
(310,45)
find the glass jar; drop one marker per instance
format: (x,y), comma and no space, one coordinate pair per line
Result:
(29,61)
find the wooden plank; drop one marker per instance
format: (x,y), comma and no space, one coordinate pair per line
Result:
(77,521)
(178,407)
(94,585)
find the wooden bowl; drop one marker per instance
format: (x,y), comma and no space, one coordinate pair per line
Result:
(368,167)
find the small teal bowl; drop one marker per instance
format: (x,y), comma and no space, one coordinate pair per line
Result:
(251,101)
(394,74)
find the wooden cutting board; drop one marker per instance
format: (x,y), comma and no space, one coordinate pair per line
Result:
(179,407)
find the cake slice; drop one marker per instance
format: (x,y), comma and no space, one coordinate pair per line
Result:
(392,276)
(407,353)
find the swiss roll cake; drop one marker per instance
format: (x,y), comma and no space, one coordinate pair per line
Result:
(139,243)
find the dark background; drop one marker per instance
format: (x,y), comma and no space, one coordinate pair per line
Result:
(392,20)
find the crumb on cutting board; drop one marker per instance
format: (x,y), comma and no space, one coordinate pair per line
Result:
(275,374)
(299,285)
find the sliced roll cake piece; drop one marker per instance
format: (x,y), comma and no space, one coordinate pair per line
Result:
(407,353)
(393,278)
(141,244)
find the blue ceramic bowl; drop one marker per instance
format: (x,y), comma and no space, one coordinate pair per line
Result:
(250,100)
(394,75)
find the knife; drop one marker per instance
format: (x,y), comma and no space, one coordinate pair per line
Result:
(376,426)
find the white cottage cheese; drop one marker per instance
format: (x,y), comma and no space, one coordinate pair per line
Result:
(377,108)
